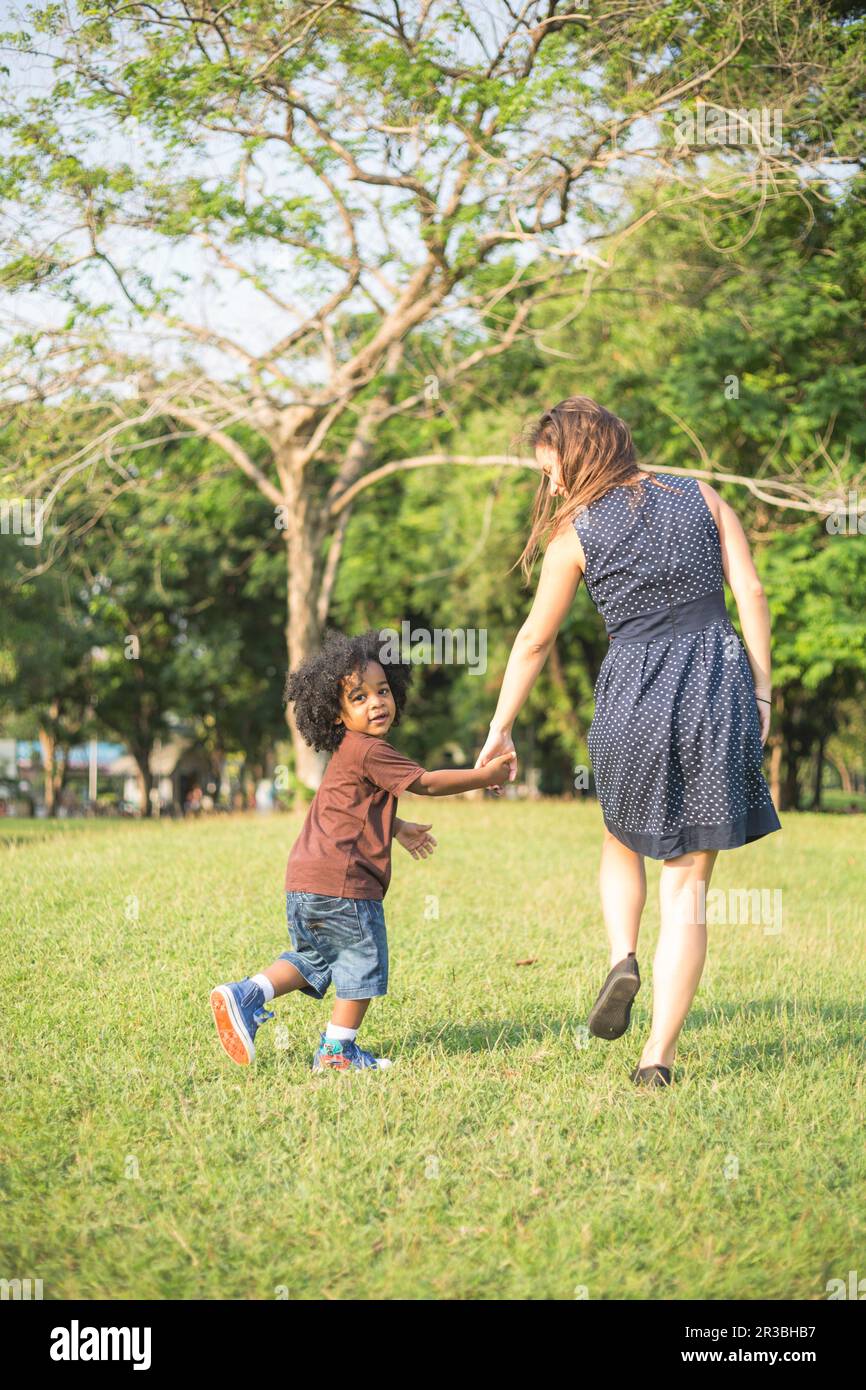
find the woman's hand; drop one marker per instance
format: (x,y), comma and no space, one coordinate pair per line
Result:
(498,742)
(764,712)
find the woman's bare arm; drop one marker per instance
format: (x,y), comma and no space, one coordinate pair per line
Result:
(560,575)
(745,585)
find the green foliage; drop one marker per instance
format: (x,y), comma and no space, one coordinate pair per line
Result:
(184,569)
(733,275)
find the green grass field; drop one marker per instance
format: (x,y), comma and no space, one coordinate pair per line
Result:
(505,1155)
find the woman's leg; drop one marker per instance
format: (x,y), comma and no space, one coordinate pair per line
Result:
(681,950)
(622,884)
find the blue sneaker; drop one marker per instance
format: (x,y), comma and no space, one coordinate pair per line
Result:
(333,1055)
(239,1011)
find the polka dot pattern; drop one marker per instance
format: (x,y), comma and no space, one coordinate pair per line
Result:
(675,739)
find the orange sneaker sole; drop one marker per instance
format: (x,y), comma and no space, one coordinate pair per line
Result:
(228,1035)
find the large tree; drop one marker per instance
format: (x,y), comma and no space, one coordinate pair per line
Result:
(296,224)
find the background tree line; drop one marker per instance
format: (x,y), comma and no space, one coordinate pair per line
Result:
(763,348)
(275,274)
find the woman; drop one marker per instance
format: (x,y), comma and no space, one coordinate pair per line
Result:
(682,712)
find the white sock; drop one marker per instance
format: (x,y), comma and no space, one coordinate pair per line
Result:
(265,986)
(335,1032)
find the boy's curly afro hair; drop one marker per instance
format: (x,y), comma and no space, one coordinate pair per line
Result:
(315,687)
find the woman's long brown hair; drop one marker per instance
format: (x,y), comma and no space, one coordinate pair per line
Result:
(595,451)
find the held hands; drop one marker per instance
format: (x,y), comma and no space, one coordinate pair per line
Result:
(499,770)
(415,839)
(500,755)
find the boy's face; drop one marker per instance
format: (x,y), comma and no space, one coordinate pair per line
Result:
(366,702)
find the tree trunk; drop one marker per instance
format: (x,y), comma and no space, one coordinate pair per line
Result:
(843,771)
(145,780)
(61,775)
(302,629)
(776,745)
(217,765)
(250,774)
(567,719)
(48,746)
(309,521)
(819,777)
(791,783)
(255,776)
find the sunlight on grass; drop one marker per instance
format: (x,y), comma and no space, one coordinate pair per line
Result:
(505,1155)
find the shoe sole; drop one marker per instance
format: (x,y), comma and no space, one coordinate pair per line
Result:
(650,1082)
(319,1068)
(611,1012)
(384,1064)
(230,1027)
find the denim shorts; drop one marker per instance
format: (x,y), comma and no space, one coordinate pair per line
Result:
(339,939)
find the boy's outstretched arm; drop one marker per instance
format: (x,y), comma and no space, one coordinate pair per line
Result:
(448,781)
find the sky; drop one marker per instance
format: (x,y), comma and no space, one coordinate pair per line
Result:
(212,297)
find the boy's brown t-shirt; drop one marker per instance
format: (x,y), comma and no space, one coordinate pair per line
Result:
(344,848)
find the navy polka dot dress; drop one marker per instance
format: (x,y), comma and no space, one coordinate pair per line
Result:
(675,739)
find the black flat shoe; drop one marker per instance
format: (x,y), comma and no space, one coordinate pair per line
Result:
(651,1076)
(610,1014)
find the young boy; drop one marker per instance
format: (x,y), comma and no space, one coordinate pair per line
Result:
(346,698)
